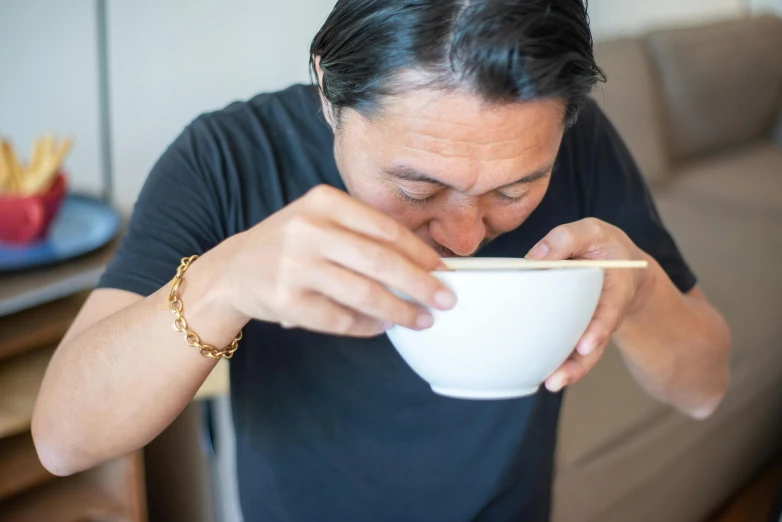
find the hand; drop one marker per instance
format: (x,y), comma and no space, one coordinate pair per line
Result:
(594,239)
(326,263)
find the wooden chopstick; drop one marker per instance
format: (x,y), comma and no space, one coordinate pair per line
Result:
(523,264)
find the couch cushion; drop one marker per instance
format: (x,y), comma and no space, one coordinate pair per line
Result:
(776,136)
(676,469)
(617,444)
(631,100)
(734,252)
(603,409)
(751,177)
(721,82)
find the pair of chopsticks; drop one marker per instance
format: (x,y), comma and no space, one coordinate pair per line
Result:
(528,264)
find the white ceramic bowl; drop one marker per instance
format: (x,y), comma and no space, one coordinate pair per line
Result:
(509,331)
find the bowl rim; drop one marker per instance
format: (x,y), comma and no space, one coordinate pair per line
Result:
(501,268)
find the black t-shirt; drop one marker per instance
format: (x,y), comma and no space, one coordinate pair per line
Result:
(340,429)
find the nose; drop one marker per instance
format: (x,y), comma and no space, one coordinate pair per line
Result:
(459,228)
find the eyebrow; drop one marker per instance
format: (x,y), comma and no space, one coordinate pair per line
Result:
(406,173)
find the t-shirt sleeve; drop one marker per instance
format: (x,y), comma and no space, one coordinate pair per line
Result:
(177,214)
(617,193)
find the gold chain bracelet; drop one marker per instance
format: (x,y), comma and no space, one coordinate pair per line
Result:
(180,324)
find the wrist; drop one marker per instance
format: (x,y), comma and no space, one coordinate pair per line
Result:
(207,297)
(648,282)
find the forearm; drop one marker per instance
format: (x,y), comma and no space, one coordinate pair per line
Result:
(677,346)
(115,386)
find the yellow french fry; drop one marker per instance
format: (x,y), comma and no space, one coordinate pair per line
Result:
(37,157)
(48,146)
(5,171)
(44,160)
(16,166)
(39,179)
(62,151)
(14,169)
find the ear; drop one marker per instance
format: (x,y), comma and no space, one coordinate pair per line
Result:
(328,110)
(319,72)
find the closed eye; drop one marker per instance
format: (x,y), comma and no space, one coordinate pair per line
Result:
(414,199)
(421,199)
(510,198)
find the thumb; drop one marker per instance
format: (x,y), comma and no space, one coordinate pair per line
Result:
(539,251)
(582,238)
(563,242)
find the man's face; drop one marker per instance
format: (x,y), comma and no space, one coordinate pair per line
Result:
(454,170)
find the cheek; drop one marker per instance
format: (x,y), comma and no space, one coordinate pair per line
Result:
(504,218)
(357,174)
(389,202)
(383,197)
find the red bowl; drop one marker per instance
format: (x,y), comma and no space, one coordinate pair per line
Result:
(27,219)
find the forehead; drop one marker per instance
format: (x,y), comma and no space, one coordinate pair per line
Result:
(461,140)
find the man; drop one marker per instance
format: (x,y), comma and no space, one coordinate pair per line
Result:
(439,128)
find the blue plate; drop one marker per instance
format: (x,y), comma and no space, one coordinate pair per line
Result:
(83,224)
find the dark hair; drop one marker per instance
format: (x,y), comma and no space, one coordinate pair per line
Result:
(502,50)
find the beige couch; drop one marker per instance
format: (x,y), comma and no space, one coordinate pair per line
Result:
(697,107)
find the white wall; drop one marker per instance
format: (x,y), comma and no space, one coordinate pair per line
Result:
(614,18)
(173,60)
(773,6)
(48,80)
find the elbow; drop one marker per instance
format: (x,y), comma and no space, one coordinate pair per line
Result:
(54,460)
(55,456)
(704,409)
(715,386)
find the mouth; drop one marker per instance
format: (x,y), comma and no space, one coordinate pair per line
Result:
(444,252)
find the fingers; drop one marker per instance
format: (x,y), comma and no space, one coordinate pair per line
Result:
(367,296)
(573,369)
(318,313)
(584,238)
(615,298)
(388,267)
(607,319)
(590,238)
(354,215)
(589,349)
(354,259)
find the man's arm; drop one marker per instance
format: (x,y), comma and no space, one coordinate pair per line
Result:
(674,342)
(677,346)
(122,373)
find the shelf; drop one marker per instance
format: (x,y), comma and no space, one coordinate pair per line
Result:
(20,379)
(21,469)
(71,499)
(28,288)
(43,325)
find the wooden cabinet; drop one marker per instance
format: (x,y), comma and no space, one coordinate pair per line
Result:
(112,492)
(36,308)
